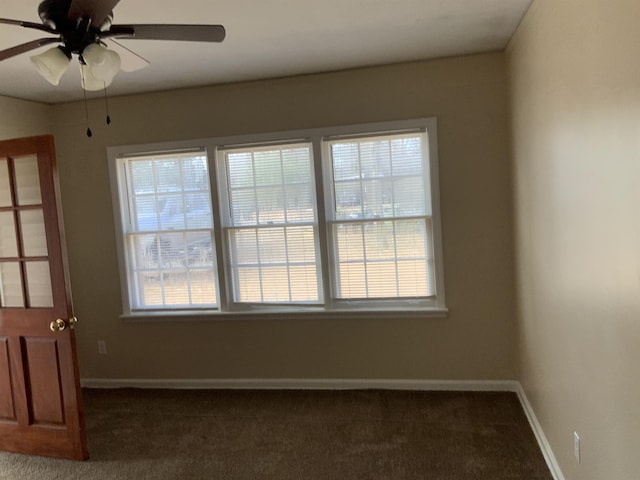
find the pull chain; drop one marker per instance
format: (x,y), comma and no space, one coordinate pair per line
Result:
(86,106)
(106,104)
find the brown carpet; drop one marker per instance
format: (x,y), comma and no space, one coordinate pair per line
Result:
(323,435)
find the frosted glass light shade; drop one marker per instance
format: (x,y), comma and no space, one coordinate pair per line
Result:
(90,82)
(51,64)
(109,68)
(104,64)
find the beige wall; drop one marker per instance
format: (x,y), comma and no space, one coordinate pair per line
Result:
(476,341)
(19,118)
(575,78)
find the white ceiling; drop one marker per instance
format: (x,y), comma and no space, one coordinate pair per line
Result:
(272,38)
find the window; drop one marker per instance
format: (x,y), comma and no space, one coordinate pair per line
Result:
(167,226)
(322,220)
(271,226)
(380,219)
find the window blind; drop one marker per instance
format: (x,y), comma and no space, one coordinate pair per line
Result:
(381,218)
(169,237)
(272,230)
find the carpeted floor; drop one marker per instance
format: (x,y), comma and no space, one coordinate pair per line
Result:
(323,435)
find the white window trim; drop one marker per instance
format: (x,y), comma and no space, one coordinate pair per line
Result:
(401,308)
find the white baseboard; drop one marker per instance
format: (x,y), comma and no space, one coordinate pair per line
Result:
(547,452)
(305,384)
(345,384)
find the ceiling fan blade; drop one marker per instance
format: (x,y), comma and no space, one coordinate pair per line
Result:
(187,33)
(20,23)
(130,60)
(26,47)
(96,10)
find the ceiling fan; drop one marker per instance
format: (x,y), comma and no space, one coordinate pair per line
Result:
(85,28)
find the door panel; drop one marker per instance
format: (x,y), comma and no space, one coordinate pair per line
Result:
(40,397)
(43,378)
(7,410)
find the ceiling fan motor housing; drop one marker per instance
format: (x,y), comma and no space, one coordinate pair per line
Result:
(76,40)
(76,34)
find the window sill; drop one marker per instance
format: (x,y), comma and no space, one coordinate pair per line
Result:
(311,314)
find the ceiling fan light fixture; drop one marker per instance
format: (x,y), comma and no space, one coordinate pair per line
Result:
(51,64)
(109,69)
(103,63)
(83,28)
(90,82)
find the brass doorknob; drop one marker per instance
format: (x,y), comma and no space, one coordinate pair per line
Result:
(72,322)
(58,325)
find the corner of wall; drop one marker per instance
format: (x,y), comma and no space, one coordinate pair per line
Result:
(23,118)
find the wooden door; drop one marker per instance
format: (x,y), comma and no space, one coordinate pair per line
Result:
(40,397)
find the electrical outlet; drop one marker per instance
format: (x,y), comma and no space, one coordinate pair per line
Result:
(576,446)
(102,347)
